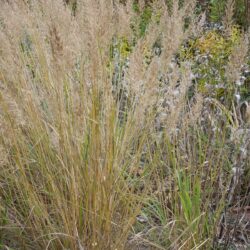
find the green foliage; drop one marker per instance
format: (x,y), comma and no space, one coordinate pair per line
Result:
(190,196)
(182,190)
(240,12)
(210,54)
(216,9)
(145,18)
(122,46)
(136,7)
(245,88)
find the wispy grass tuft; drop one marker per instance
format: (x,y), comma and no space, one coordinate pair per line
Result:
(91,142)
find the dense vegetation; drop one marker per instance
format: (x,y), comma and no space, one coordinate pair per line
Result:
(124,124)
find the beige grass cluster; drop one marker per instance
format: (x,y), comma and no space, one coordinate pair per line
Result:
(72,174)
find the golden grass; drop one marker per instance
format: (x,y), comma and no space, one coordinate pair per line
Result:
(73,174)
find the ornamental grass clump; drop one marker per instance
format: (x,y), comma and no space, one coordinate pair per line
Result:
(92,140)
